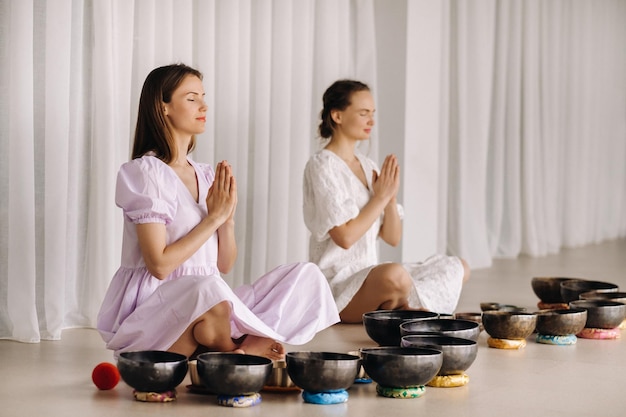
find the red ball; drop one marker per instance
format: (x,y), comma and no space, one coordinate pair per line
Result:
(105,376)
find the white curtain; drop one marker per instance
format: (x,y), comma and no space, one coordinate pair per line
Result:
(71,74)
(509,117)
(515,126)
(537,126)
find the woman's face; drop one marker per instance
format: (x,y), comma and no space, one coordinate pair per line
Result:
(186,111)
(357,120)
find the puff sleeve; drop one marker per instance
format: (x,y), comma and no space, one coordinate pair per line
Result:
(146,191)
(327,200)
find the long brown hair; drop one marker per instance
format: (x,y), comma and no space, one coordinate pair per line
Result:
(153,132)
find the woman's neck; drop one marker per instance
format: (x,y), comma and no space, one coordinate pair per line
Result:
(179,162)
(180,158)
(342,148)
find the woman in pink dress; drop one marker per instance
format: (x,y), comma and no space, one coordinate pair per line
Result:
(179,236)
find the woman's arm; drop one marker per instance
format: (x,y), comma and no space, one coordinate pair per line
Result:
(385,188)
(227,245)
(391,229)
(161,259)
(350,232)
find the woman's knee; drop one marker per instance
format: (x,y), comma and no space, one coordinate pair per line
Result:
(393,277)
(220,310)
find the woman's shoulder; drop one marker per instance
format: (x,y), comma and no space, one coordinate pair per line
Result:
(146,163)
(147,168)
(322,159)
(147,190)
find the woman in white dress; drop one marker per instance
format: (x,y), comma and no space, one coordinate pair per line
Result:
(349,203)
(179,236)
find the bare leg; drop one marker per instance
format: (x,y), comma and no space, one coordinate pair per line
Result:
(262,346)
(211,330)
(387,287)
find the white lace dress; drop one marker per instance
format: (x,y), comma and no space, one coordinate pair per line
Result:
(332,196)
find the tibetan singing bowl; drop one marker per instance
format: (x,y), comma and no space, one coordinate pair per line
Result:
(465,329)
(152,370)
(548,289)
(322,371)
(458,353)
(383,326)
(278,379)
(401,367)
(601,314)
(508,324)
(571,290)
(561,322)
(224,373)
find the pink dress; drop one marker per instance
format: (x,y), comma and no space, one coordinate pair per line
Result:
(289,304)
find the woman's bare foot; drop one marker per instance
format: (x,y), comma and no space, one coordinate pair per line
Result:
(262,346)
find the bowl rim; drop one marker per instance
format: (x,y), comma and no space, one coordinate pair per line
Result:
(171,357)
(468,313)
(607,285)
(278,363)
(547,277)
(434,337)
(319,355)
(508,313)
(373,315)
(470,324)
(562,279)
(596,303)
(561,311)
(602,295)
(403,351)
(491,306)
(262,360)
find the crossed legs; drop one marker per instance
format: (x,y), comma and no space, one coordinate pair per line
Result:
(211,332)
(386,287)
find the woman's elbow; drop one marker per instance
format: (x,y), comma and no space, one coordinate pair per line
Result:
(225,269)
(341,237)
(391,240)
(158,271)
(343,243)
(394,243)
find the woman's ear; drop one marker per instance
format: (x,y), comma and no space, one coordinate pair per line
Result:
(336,116)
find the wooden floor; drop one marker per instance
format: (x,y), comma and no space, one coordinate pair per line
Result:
(54,378)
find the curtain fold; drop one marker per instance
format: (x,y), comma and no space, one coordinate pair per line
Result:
(534,116)
(52,164)
(472,39)
(20,300)
(523,150)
